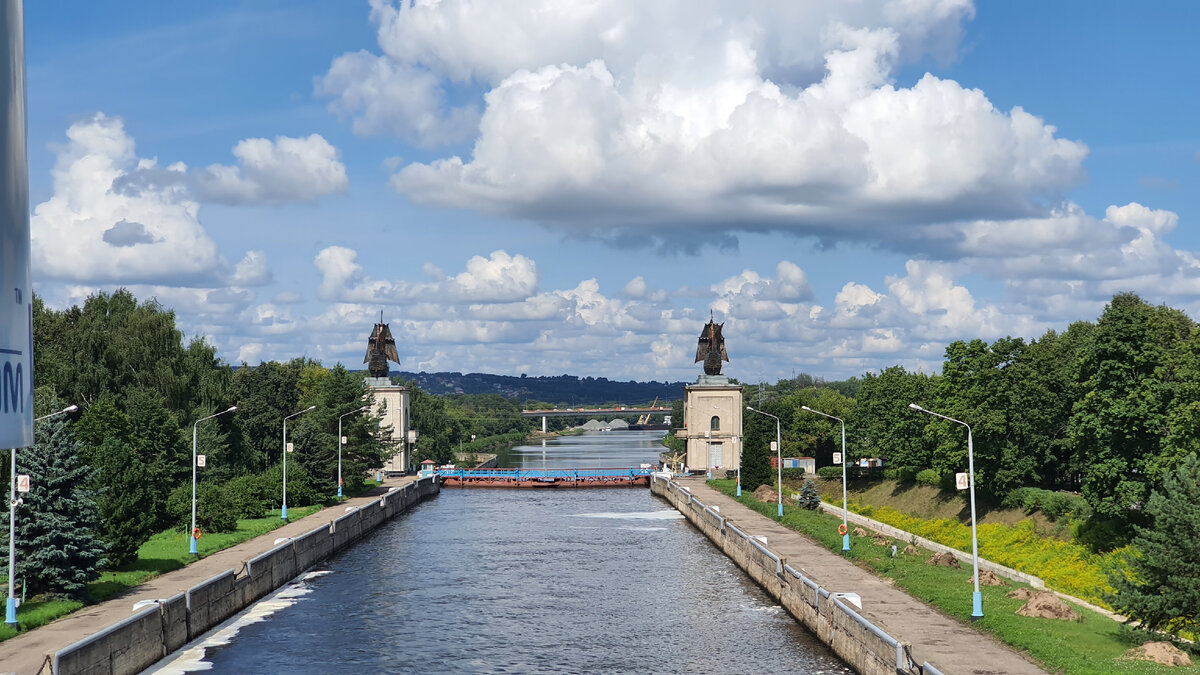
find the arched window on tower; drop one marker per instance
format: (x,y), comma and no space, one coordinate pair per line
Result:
(715,423)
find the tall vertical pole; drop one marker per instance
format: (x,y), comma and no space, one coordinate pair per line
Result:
(976,598)
(845,525)
(779,458)
(16,293)
(192,532)
(283,512)
(339,457)
(737,440)
(10,611)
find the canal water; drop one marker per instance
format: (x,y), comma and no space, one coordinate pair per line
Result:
(528,581)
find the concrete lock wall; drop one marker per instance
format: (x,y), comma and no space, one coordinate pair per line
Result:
(857,641)
(136,643)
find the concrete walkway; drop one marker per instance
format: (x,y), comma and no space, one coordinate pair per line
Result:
(946,643)
(26,653)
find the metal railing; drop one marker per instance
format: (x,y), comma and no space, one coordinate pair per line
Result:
(546,474)
(902,661)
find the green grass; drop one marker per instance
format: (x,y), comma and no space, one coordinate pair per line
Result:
(1092,645)
(164,552)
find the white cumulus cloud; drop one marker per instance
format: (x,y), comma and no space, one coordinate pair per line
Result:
(95,229)
(284,170)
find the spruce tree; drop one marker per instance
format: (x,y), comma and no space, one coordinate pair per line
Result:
(809,497)
(1162,590)
(58,551)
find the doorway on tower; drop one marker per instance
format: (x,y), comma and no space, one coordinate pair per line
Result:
(714,454)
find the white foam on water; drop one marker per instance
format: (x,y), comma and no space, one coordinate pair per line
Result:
(190,659)
(633,515)
(643,529)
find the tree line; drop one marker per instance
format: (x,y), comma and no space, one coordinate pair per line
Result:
(1104,408)
(106,478)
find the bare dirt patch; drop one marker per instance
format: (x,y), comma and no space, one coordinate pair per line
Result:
(1163,653)
(859,532)
(766,493)
(911,550)
(1047,605)
(988,578)
(943,560)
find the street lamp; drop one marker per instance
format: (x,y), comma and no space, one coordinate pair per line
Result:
(357,410)
(283,513)
(845,525)
(737,447)
(192,536)
(976,598)
(779,455)
(10,613)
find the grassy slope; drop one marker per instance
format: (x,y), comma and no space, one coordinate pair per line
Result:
(164,552)
(1092,645)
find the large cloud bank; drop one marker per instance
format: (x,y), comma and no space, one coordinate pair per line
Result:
(658,120)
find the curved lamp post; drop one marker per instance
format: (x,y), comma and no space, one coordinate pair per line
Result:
(10,611)
(779,455)
(356,410)
(192,535)
(845,525)
(283,512)
(976,598)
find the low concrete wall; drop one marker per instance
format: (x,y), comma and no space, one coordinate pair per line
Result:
(136,643)
(852,637)
(897,533)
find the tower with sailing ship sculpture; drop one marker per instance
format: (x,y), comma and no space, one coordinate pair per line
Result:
(712,408)
(381,348)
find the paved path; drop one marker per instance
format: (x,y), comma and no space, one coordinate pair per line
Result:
(25,653)
(942,641)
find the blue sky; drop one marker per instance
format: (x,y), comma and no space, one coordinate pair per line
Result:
(570,189)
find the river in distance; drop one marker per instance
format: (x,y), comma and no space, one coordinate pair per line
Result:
(522,581)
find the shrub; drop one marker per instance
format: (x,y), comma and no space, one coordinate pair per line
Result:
(249,494)
(299,490)
(929,477)
(830,472)
(215,508)
(904,474)
(1054,505)
(795,473)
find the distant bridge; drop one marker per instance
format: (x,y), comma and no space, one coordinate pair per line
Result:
(585,412)
(588,412)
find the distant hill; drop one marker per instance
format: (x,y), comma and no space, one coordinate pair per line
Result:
(559,389)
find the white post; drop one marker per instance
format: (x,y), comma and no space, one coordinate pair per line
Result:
(779,459)
(976,597)
(845,524)
(283,511)
(10,612)
(340,446)
(192,534)
(779,454)
(15,331)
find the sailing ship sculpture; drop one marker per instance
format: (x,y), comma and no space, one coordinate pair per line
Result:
(711,347)
(381,348)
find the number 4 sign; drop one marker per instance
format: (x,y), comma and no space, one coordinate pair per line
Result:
(22,483)
(961,481)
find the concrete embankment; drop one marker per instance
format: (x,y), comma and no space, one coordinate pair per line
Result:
(891,633)
(138,641)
